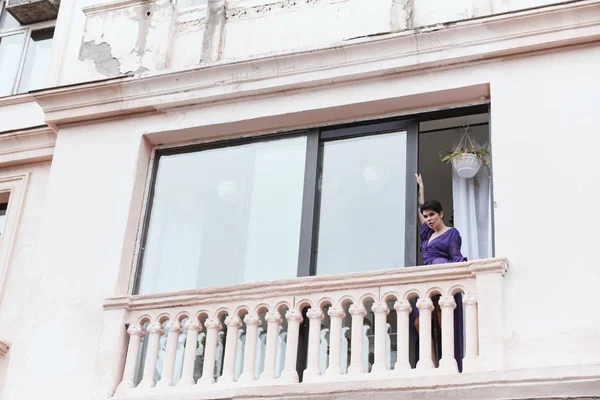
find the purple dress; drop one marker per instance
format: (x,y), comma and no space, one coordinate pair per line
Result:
(443,249)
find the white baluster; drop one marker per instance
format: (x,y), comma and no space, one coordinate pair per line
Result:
(471,361)
(234,323)
(336,315)
(381,310)
(213,326)
(358,313)
(315,316)
(155,331)
(323,348)
(252,323)
(281,350)
(425,306)
(162,351)
(289,374)
(403,310)
(448,362)
(179,356)
(220,353)
(239,354)
(189,358)
(365,353)
(344,351)
(388,347)
(173,329)
(274,321)
(261,343)
(135,332)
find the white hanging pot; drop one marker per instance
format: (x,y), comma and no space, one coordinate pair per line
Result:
(466,165)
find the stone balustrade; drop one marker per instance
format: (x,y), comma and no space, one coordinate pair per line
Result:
(340,327)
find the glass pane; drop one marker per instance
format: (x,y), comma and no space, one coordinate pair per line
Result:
(7,21)
(225,216)
(10,56)
(362,211)
(37,60)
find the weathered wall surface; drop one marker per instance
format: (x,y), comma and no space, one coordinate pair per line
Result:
(156,36)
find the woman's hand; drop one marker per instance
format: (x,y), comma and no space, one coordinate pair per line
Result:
(419,180)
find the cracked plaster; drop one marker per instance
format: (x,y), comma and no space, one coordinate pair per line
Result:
(154,36)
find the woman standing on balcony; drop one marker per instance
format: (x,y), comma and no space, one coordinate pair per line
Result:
(441,243)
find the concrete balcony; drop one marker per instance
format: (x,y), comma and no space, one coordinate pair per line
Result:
(295,336)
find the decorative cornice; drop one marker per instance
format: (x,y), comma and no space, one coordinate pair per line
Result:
(348,62)
(15,99)
(306,285)
(26,146)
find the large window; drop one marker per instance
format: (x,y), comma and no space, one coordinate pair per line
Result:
(320,202)
(24,53)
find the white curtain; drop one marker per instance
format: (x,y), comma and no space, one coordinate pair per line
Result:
(472,200)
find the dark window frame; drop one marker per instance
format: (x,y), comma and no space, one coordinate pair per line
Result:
(313,162)
(27,31)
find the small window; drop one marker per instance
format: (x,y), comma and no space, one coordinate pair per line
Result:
(24,53)
(3,207)
(37,60)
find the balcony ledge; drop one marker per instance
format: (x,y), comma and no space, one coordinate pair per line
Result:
(565,382)
(306,285)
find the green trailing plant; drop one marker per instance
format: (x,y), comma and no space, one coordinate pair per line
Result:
(466,146)
(481,154)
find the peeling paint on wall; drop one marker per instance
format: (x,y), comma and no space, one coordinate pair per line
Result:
(102,57)
(133,39)
(402,15)
(151,36)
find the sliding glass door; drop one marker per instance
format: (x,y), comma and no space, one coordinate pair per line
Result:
(366,199)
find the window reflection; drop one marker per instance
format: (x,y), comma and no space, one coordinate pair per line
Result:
(11,48)
(225,216)
(362,206)
(37,60)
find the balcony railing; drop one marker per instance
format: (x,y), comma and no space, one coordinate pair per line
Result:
(254,334)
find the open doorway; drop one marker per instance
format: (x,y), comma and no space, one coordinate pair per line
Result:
(472,215)
(467,204)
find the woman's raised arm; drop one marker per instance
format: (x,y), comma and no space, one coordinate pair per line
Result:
(421,198)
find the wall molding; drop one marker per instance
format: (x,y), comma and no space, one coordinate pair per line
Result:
(26,146)
(16,186)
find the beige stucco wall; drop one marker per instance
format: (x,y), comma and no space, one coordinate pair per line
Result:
(17,296)
(540,166)
(76,240)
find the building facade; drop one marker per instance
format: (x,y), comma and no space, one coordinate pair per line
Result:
(216,199)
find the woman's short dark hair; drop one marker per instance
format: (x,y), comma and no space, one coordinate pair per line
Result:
(432,205)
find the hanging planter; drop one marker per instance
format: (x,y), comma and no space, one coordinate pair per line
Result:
(466,165)
(467,158)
